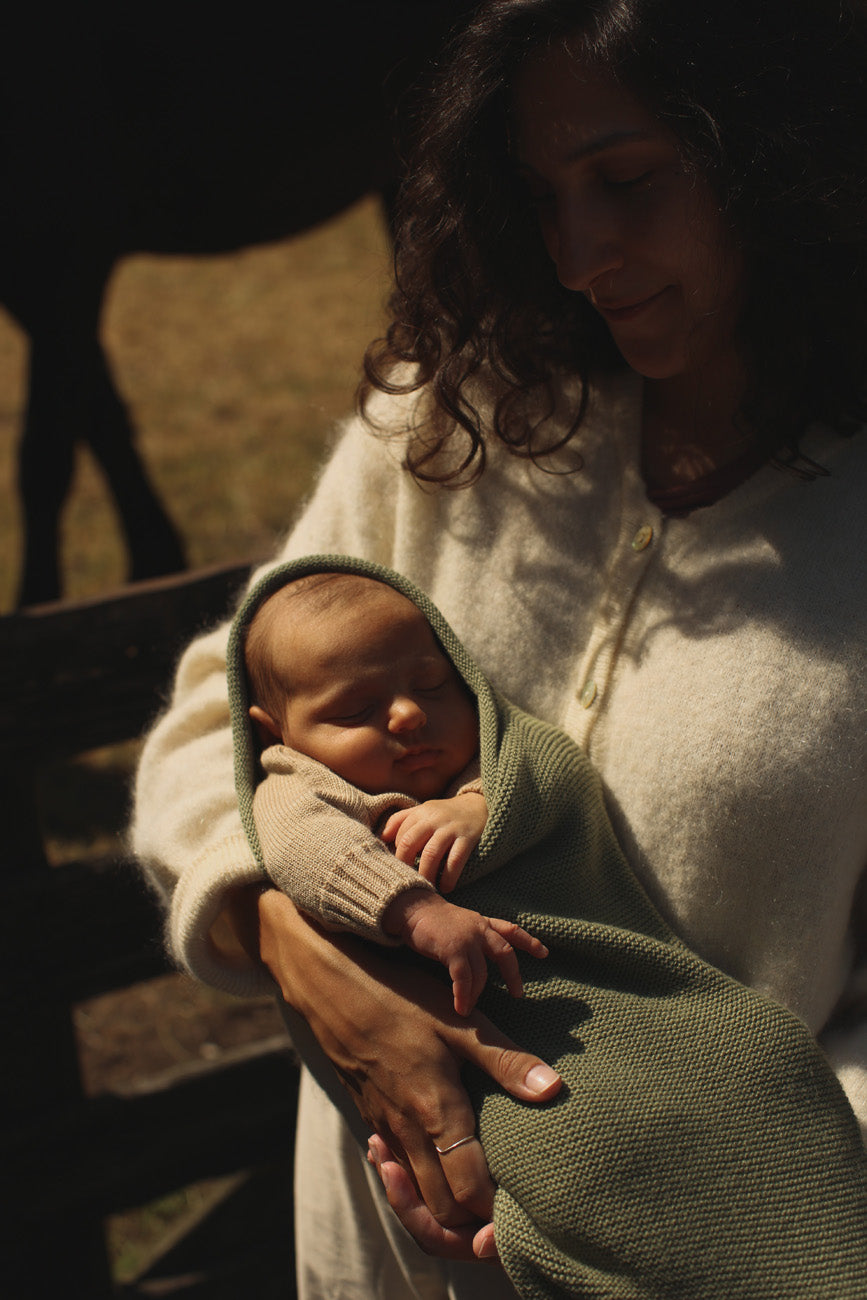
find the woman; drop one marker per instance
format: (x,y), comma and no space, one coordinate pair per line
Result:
(650,417)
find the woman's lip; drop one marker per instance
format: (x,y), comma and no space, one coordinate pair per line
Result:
(628,311)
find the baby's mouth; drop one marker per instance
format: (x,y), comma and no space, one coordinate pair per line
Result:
(416,758)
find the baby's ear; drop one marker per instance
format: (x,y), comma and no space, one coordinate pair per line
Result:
(265,727)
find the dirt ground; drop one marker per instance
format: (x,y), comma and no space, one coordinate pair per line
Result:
(140,1032)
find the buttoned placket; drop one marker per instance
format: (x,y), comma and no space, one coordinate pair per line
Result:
(639,539)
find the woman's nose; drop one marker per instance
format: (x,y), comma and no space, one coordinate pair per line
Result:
(584,246)
(406,714)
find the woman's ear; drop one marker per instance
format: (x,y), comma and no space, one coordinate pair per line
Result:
(267,730)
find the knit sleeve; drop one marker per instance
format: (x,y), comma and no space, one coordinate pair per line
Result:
(186,828)
(317,839)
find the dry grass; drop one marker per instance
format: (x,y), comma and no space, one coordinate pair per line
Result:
(234,369)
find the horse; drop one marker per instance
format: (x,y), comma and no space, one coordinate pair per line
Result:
(172,130)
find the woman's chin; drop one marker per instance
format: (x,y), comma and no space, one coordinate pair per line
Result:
(651,362)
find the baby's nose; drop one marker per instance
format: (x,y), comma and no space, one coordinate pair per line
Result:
(406,714)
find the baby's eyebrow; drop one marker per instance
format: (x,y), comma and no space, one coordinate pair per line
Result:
(340,696)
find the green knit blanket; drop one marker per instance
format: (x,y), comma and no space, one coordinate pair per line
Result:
(701,1148)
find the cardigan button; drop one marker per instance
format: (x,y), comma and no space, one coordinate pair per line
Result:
(642,538)
(588,695)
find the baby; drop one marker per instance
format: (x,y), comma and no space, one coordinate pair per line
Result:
(347,672)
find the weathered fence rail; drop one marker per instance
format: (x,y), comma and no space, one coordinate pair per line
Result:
(75,677)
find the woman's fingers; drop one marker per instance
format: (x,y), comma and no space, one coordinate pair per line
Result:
(521,1073)
(453,1182)
(457,1188)
(484,1245)
(463,1243)
(436,1184)
(466,1169)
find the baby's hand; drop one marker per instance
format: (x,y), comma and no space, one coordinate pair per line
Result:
(443,831)
(464,941)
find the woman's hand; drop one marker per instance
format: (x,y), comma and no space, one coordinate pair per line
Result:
(394,1037)
(403,1196)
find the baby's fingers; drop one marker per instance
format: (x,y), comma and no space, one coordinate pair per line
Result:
(431,857)
(451,870)
(412,839)
(504,956)
(518,937)
(469,973)
(499,938)
(393,825)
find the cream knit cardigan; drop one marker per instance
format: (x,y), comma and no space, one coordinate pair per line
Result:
(714,668)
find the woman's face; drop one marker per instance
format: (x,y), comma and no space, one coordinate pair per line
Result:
(624,223)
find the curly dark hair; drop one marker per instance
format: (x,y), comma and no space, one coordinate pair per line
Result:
(767,99)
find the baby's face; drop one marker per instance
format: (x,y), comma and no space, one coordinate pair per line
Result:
(374,698)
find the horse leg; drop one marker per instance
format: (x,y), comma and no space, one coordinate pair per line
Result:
(54,288)
(153,542)
(45,466)
(72,400)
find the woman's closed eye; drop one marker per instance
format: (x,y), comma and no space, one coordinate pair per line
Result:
(639,180)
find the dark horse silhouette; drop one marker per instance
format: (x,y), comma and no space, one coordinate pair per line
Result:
(188,129)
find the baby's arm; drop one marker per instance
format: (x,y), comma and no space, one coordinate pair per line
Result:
(441,833)
(317,838)
(464,941)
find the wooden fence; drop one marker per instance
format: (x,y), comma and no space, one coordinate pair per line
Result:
(75,677)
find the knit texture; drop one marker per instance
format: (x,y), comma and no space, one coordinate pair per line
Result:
(701,1147)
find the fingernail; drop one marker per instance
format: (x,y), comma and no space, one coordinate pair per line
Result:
(540,1078)
(385,1175)
(487,1248)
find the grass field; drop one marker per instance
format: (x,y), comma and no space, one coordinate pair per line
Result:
(234,370)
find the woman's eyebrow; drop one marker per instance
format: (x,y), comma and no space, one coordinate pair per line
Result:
(590,147)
